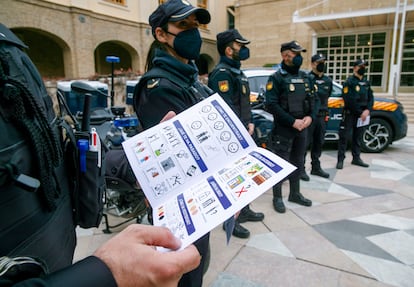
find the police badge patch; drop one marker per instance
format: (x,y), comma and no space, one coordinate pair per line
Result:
(223,86)
(244,90)
(269,85)
(345,89)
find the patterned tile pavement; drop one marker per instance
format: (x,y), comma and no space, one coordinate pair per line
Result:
(359,231)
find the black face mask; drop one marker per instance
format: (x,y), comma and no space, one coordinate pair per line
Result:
(361,71)
(320,67)
(297,61)
(241,55)
(187,44)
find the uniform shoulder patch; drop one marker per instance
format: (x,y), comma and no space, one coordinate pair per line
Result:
(223,86)
(345,90)
(269,85)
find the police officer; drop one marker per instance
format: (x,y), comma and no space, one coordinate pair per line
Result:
(37,227)
(289,97)
(358,99)
(316,131)
(171,83)
(230,82)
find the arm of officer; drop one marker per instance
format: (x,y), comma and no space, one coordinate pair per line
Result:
(222,83)
(314,106)
(134,261)
(349,96)
(157,101)
(368,109)
(129,259)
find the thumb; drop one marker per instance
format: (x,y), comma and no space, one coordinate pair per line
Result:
(189,258)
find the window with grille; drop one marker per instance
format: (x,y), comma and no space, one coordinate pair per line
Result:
(407,64)
(342,50)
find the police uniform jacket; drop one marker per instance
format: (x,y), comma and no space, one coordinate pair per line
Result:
(357,95)
(231,83)
(169,86)
(290,97)
(27,227)
(323,88)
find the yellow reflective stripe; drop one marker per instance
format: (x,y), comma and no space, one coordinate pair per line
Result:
(335,103)
(384,106)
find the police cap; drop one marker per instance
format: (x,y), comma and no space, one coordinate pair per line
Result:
(293,46)
(360,62)
(176,10)
(227,37)
(318,58)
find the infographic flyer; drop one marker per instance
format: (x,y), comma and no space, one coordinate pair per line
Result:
(200,168)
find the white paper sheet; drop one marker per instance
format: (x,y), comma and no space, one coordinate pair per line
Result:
(201,167)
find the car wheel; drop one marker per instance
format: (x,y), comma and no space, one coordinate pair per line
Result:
(377,136)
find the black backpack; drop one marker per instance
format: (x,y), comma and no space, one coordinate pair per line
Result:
(42,194)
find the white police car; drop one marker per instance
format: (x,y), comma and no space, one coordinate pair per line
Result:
(388,121)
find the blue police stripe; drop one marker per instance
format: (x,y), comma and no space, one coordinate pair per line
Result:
(225,202)
(190,146)
(189,225)
(266,161)
(231,124)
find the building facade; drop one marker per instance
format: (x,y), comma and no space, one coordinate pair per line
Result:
(380,31)
(71,38)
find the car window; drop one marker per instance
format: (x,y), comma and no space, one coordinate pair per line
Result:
(258,83)
(336,91)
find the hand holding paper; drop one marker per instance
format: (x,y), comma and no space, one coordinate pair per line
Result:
(200,168)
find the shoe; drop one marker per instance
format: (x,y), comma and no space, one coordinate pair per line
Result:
(300,199)
(359,162)
(304,176)
(250,215)
(278,205)
(340,164)
(239,231)
(320,172)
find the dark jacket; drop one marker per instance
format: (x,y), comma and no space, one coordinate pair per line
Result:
(170,86)
(289,96)
(29,227)
(231,83)
(357,95)
(322,91)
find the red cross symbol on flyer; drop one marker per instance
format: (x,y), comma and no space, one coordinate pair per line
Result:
(243,189)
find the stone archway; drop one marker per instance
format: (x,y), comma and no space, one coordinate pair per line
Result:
(204,64)
(127,56)
(49,53)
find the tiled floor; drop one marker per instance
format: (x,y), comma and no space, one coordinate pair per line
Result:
(359,231)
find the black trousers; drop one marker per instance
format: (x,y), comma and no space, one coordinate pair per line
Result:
(348,127)
(194,278)
(290,144)
(316,139)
